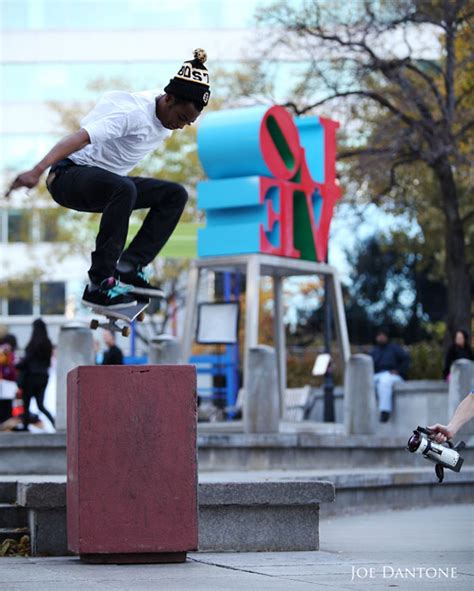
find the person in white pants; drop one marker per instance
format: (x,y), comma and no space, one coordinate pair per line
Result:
(384,382)
(390,363)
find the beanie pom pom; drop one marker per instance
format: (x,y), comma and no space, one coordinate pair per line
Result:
(200,55)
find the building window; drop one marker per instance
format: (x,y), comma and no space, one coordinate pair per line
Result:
(20,299)
(3,225)
(52,297)
(49,225)
(19,226)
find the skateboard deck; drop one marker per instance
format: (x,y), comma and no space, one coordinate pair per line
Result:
(120,319)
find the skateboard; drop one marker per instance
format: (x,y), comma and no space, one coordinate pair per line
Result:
(127,314)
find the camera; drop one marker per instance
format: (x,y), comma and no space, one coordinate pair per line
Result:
(443,455)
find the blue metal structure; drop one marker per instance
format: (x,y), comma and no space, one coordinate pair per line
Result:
(225,364)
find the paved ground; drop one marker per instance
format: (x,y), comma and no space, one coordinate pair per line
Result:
(420,549)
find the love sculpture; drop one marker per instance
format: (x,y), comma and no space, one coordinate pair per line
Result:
(269,198)
(272,183)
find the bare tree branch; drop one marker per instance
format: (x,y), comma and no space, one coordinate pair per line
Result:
(449,73)
(467,217)
(461,133)
(434,89)
(363,152)
(365,93)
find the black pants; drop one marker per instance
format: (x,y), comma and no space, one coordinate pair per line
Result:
(5,410)
(34,387)
(93,189)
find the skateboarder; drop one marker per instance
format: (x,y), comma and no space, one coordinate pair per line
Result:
(88,173)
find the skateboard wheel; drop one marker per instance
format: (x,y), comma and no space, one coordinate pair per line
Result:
(141,317)
(94,324)
(126,331)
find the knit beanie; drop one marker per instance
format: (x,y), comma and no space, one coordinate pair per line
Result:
(192,81)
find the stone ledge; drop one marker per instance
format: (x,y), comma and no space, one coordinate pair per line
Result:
(424,386)
(310,439)
(393,478)
(43,454)
(233,516)
(241,440)
(52,495)
(41,495)
(265,493)
(21,440)
(277,510)
(266,488)
(304,438)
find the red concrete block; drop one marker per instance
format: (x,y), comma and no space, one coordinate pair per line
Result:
(132,465)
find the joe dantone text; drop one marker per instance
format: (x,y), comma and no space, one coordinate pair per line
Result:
(414,572)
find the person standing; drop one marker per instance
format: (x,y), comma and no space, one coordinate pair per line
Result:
(34,371)
(459,349)
(113,355)
(8,345)
(390,364)
(8,373)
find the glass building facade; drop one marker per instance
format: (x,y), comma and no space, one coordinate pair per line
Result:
(58,50)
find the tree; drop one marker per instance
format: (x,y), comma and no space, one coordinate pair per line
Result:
(394,283)
(411,109)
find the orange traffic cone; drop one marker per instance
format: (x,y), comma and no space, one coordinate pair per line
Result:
(17,407)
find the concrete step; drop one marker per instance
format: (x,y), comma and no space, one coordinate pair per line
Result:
(13,533)
(7,491)
(264,515)
(309,450)
(321,447)
(360,490)
(12,516)
(232,503)
(32,453)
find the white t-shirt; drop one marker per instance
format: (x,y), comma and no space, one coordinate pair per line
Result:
(123,128)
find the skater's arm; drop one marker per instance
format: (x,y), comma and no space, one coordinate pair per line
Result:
(463,413)
(64,148)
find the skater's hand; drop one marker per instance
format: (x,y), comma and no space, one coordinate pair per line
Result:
(440,433)
(27,179)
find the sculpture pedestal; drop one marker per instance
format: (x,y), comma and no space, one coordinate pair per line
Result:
(256,266)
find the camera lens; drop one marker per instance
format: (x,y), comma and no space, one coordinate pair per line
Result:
(414,441)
